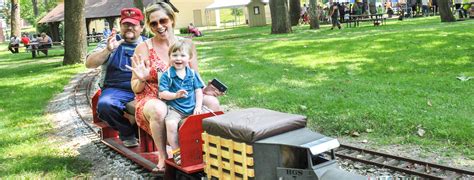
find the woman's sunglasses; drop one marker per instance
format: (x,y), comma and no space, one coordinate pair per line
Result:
(162,21)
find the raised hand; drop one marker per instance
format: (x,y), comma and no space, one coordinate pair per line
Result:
(140,67)
(181,93)
(112,42)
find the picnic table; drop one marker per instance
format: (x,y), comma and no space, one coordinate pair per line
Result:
(35,49)
(94,38)
(377,19)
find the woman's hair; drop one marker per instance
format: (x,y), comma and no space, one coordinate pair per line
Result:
(157,7)
(182,45)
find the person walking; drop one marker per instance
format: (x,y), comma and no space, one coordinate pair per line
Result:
(334,14)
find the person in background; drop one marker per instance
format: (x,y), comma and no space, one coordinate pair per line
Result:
(25,40)
(193,30)
(334,14)
(113,55)
(14,44)
(106,32)
(45,43)
(424,7)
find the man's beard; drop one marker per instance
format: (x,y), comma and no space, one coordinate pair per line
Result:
(131,39)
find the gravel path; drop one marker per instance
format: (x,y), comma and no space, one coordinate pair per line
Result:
(71,133)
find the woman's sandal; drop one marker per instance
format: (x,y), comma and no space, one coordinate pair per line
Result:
(177,156)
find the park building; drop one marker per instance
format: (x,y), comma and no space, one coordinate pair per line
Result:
(202,13)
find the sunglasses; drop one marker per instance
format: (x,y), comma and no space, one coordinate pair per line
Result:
(162,21)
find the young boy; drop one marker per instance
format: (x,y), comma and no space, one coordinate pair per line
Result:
(181,87)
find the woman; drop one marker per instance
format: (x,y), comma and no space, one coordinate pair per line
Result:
(150,59)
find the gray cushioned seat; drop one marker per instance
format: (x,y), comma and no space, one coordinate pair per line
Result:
(253,124)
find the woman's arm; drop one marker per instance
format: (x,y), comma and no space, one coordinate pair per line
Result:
(199,97)
(141,52)
(193,64)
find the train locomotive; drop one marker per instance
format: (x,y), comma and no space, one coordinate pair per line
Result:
(244,144)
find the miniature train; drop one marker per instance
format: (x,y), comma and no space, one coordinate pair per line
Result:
(245,144)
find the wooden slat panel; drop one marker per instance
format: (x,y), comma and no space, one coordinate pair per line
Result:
(227,153)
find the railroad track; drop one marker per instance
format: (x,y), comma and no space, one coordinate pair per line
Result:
(85,87)
(402,164)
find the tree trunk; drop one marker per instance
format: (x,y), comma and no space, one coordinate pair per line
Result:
(280,17)
(295,10)
(75,37)
(313,15)
(15,18)
(445,12)
(35,7)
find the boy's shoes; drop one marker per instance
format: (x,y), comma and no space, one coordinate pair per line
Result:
(177,156)
(130,142)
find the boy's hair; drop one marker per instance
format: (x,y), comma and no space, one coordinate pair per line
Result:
(183,45)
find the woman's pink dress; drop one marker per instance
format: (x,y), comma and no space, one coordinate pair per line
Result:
(151,86)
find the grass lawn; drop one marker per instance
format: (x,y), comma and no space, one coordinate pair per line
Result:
(386,83)
(26,87)
(389,83)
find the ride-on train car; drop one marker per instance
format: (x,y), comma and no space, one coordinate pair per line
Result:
(244,144)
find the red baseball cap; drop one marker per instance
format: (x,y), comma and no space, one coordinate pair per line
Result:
(131,15)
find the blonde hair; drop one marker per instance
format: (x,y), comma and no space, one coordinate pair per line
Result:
(182,45)
(157,7)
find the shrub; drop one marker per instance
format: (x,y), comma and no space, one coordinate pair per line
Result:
(183,30)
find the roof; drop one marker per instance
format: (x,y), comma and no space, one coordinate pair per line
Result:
(221,4)
(95,9)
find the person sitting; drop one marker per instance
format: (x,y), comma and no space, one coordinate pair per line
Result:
(14,44)
(45,43)
(113,55)
(25,40)
(153,59)
(181,87)
(193,30)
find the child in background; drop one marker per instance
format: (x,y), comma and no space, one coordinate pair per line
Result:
(181,87)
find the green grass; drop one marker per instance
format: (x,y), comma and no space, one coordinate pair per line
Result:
(380,78)
(26,86)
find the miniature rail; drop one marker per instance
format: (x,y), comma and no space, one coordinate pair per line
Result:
(402,164)
(396,163)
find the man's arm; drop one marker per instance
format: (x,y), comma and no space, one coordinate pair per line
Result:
(97,58)
(102,52)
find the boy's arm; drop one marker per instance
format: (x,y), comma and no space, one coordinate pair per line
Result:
(199,97)
(166,95)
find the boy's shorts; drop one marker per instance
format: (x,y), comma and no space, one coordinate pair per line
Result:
(175,115)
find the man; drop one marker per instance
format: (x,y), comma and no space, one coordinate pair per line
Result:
(14,44)
(113,55)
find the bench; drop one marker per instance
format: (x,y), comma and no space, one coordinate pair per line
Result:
(377,19)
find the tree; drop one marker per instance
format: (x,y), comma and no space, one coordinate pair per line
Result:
(75,37)
(445,11)
(313,15)
(295,10)
(280,17)
(34,3)
(6,12)
(32,10)
(236,12)
(139,4)
(15,18)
